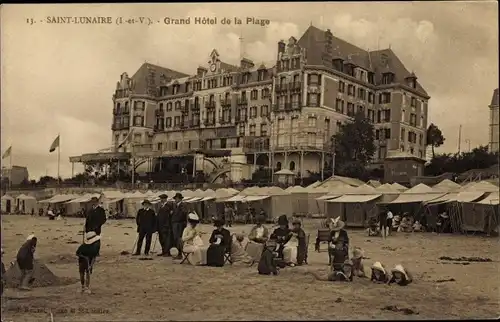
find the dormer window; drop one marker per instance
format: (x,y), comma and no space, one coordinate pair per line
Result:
(371,78)
(175,89)
(387,78)
(411,80)
(338,64)
(188,87)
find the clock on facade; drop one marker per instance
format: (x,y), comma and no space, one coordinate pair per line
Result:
(213,67)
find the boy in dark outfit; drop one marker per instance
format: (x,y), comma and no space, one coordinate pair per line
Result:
(220,244)
(26,259)
(267,264)
(87,253)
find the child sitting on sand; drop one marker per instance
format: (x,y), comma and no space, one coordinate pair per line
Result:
(267,263)
(379,273)
(400,276)
(336,275)
(358,268)
(87,253)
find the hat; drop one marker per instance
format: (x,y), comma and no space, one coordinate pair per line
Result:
(296,222)
(337,224)
(178,195)
(239,237)
(282,220)
(193,217)
(357,253)
(30,237)
(145,202)
(94,199)
(218,222)
(378,266)
(400,269)
(163,196)
(91,237)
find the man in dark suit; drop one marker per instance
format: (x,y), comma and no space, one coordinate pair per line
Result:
(146,227)
(179,222)
(165,226)
(95,218)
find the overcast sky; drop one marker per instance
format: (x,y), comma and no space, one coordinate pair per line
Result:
(60,78)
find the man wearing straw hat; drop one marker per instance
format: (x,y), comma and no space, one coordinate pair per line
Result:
(146,226)
(179,222)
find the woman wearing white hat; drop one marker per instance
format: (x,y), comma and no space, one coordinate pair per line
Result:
(339,243)
(401,275)
(87,253)
(192,242)
(379,273)
(358,268)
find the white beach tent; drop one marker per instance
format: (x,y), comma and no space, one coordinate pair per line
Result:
(7,204)
(418,194)
(355,206)
(399,187)
(75,205)
(26,204)
(479,214)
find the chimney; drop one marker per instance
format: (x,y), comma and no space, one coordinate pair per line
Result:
(281,46)
(200,71)
(246,63)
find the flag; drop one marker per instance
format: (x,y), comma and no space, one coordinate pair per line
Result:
(7,153)
(126,140)
(54,144)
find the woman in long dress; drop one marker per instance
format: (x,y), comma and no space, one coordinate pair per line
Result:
(192,242)
(257,239)
(220,243)
(339,244)
(283,235)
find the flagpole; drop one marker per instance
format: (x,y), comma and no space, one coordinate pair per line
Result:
(10,172)
(58,158)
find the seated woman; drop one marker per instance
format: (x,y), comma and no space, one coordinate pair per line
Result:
(192,242)
(267,263)
(341,273)
(405,225)
(257,239)
(238,253)
(299,239)
(400,276)
(339,244)
(373,227)
(417,227)
(220,243)
(379,273)
(358,268)
(282,235)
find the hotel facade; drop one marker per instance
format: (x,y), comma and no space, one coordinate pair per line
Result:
(228,119)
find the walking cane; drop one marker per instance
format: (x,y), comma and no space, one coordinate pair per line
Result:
(133,247)
(154,243)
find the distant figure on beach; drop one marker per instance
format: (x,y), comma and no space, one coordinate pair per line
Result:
(96,217)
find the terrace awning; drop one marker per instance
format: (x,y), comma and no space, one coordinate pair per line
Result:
(469,196)
(326,197)
(255,198)
(236,198)
(416,197)
(354,198)
(194,199)
(492,199)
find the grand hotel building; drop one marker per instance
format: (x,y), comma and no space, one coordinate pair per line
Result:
(231,119)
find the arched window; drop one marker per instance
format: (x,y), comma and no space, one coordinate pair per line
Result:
(292,166)
(118,107)
(161,106)
(278,166)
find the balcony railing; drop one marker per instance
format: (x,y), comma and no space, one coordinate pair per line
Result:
(295,86)
(241,118)
(194,123)
(159,128)
(225,103)
(209,121)
(195,107)
(210,104)
(160,113)
(242,101)
(185,109)
(116,127)
(256,144)
(281,87)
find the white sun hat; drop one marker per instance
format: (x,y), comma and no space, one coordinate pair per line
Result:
(193,216)
(400,269)
(30,237)
(91,237)
(378,266)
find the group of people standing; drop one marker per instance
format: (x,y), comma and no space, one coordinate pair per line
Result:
(169,223)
